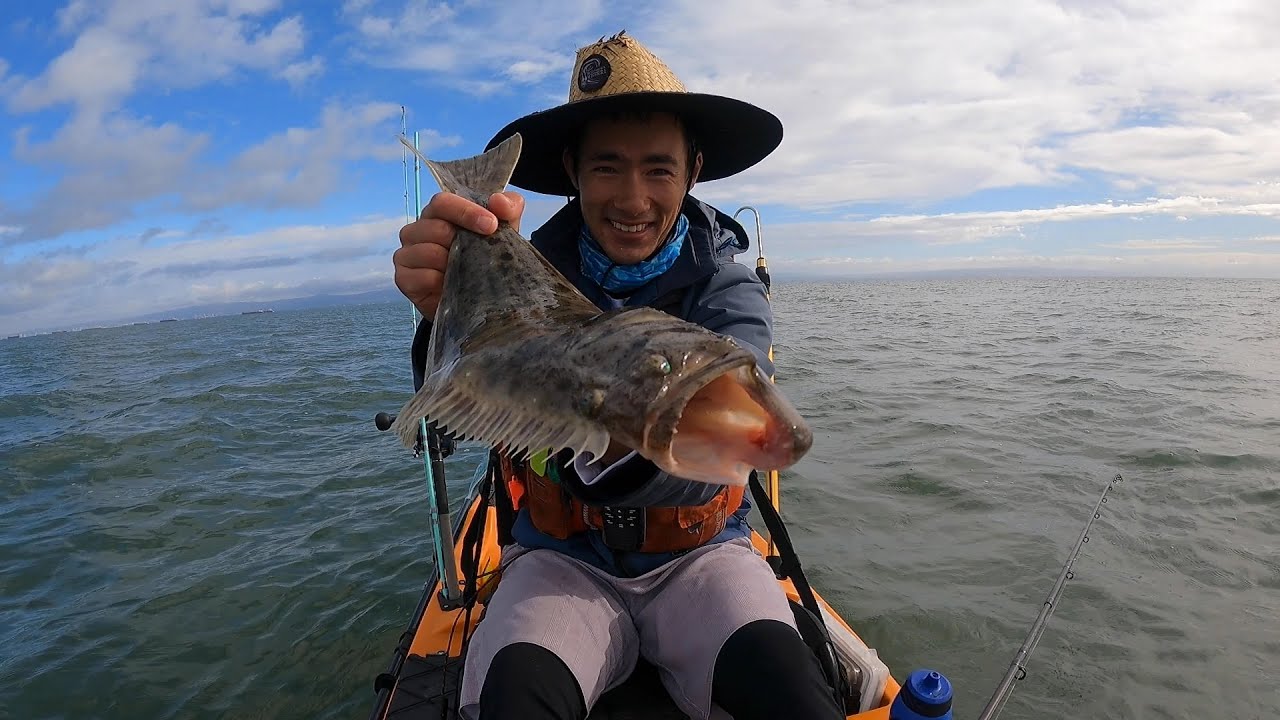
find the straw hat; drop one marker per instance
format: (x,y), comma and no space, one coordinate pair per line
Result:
(619,73)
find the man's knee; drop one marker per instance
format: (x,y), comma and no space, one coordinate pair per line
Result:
(799,690)
(768,638)
(529,681)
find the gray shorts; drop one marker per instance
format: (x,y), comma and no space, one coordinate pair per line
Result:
(677,616)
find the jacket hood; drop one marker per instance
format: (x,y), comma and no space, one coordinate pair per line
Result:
(728,236)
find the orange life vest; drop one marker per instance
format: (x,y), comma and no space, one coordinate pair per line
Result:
(557,513)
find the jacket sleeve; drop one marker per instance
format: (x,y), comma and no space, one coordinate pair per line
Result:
(737,305)
(734,303)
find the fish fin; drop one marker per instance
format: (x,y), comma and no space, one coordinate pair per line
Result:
(468,415)
(475,177)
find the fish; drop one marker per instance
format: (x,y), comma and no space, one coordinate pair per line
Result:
(519,359)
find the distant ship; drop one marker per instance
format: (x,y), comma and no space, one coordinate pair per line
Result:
(257,312)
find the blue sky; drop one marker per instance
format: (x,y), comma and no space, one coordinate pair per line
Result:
(157,154)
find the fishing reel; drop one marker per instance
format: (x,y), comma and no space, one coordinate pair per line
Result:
(446,443)
(437,447)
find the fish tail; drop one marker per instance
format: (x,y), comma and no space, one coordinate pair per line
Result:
(479,176)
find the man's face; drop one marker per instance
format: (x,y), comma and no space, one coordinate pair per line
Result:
(632,175)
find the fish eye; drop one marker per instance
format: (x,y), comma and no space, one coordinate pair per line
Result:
(661,364)
(592,402)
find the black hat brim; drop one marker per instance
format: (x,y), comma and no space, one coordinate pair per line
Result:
(731,134)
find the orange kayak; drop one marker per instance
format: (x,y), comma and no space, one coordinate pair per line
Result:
(424,675)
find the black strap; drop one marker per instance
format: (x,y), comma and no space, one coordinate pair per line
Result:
(789,567)
(503,506)
(471,540)
(815,636)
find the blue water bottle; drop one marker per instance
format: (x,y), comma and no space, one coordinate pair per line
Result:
(926,695)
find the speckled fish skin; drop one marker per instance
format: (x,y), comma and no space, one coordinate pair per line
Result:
(520,359)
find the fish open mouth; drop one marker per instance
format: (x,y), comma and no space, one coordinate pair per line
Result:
(724,421)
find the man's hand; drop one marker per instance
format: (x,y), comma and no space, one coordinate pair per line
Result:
(424,243)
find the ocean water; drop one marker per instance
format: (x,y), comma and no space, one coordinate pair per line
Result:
(199,519)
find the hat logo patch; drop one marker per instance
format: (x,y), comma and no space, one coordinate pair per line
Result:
(594,73)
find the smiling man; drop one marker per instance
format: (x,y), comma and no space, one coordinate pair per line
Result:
(615,559)
(631,174)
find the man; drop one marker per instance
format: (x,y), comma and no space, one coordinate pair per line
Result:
(583,593)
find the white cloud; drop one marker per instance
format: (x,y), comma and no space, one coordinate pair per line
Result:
(431,139)
(1171,263)
(1144,114)
(959,228)
(111,163)
(114,159)
(8,83)
(1175,160)
(99,70)
(1153,206)
(921,101)
(301,166)
(115,163)
(299,72)
(529,71)
(71,16)
(126,43)
(474,49)
(127,277)
(1139,244)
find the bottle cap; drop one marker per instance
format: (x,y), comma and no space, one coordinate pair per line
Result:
(927,693)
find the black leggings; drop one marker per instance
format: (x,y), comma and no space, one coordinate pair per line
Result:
(764,672)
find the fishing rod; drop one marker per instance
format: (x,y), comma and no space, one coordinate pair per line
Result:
(431,445)
(1018,668)
(762,271)
(410,213)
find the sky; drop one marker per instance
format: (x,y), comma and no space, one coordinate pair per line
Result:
(161,154)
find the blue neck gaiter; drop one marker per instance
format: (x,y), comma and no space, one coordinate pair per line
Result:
(616,278)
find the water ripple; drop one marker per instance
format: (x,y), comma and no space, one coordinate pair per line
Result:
(198,519)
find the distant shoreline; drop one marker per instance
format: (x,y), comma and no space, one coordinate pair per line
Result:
(258,307)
